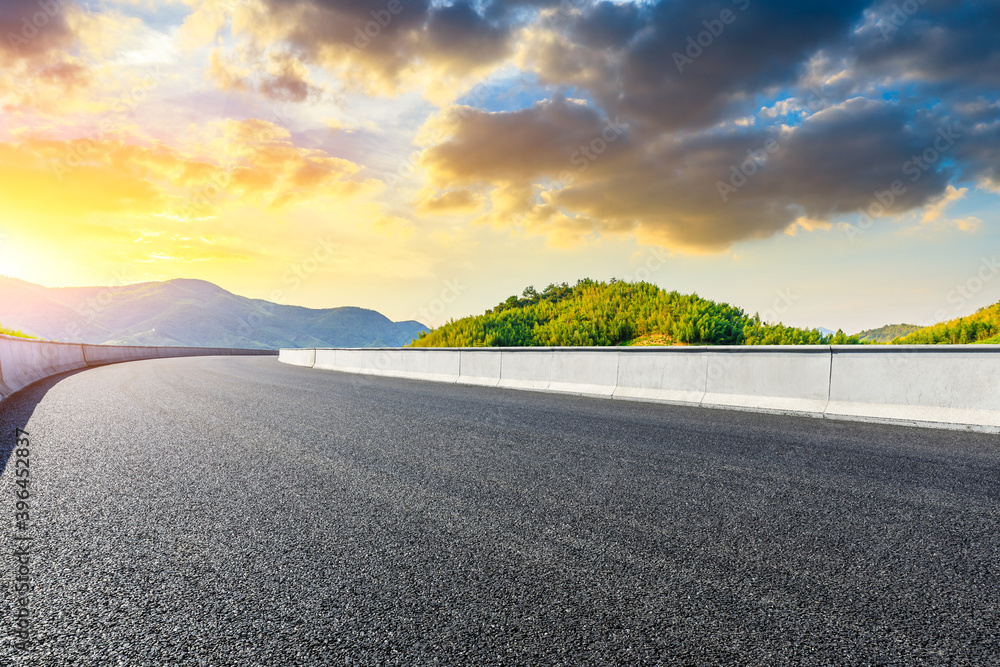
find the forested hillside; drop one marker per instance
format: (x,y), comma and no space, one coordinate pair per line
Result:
(887,333)
(983,326)
(617,313)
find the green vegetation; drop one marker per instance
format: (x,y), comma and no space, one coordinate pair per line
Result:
(983,326)
(13,332)
(887,333)
(617,313)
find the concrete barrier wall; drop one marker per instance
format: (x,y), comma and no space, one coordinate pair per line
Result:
(952,387)
(298,357)
(434,365)
(588,372)
(24,360)
(480,366)
(531,368)
(647,374)
(916,384)
(768,378)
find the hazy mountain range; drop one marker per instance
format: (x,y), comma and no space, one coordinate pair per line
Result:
(189,312)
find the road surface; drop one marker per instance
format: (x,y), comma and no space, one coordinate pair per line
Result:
(237,511)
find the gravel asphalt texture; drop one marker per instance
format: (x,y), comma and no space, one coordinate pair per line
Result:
(237,511)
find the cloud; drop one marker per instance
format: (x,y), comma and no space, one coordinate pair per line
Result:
(37,65)
(275,75)
(59,57)
(253,162)
(375,46)
(934,210)
(450,202)
(673,65)
(227,74)
(287,80)
(701,191)
(695,125)
(32,33)
(541,141)
(931,41)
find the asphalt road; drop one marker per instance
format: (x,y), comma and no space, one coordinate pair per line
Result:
(237,511)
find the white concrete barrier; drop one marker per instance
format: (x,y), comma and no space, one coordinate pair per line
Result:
(24,360)
(298,357)
(480,366)
(770,378)
(526,368)
(438,365)
(953,385)
(647,374)
(942,386)
(106,354)
(365,361)
(588,371)
(324,360)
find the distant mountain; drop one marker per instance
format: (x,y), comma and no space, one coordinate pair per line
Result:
(887,333)
(189,313)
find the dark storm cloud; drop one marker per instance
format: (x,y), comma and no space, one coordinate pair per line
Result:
(29,30)
(607,25)
(460,29)
(954,44)
(391,35)
(705,190)
(685,63)
(902,81)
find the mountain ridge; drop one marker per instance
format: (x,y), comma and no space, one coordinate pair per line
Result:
(189,312)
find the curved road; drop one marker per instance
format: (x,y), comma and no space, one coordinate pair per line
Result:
(237,511)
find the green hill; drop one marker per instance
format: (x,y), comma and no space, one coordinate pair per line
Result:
(617,313)
(887,333)
(13,332)
(983,326)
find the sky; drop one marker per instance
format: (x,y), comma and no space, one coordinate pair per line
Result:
(825,163)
